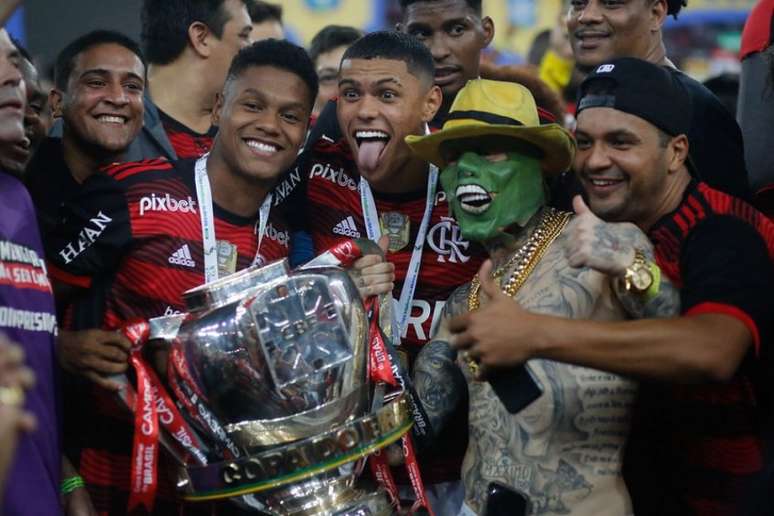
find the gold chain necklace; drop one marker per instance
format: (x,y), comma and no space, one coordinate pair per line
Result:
(525,259)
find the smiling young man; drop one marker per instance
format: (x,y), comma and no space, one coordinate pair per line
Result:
(140,234)
(368,184)
(455,32)
(602,30)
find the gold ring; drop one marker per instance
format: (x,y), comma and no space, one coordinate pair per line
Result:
(471,362)
(12,396)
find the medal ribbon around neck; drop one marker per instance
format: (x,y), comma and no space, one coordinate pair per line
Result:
(204,199)
(402,306)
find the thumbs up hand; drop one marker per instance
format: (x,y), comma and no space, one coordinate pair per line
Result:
(606,247)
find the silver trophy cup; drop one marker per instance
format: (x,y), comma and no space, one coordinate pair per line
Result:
(270,369)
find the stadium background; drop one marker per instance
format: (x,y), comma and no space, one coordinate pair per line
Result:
(703,41)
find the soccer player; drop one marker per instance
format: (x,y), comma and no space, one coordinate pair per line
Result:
(136,235)
(368,184)
(456,32)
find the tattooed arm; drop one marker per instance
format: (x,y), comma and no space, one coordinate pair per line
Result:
(439,382)
(610,248)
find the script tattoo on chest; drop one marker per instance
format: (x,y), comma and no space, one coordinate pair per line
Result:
(567,444)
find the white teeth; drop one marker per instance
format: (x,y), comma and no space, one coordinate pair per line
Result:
(372,134)
(260,146)
(474,209)
(603,182)
(109,119)
(470,189)
(473,198)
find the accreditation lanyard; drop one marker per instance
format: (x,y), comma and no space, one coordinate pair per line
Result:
(402,310)
(204,200)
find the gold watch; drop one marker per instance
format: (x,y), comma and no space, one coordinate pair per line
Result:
(638,277)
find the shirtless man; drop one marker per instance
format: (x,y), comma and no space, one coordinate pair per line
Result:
(563,452)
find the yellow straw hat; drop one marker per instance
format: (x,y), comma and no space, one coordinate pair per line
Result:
(496,108)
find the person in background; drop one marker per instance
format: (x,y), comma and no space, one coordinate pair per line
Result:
(189,45)
(726,88)
(756,102)
(16,157)
(267,20)
(29,415)
(600,31)
(455,31)
(326,49)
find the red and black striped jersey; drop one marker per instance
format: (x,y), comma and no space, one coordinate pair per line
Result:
(132,235)
(706,441)
(186,142)
(333,212)
(135,230)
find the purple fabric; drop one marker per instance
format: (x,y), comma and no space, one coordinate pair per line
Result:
(27,317)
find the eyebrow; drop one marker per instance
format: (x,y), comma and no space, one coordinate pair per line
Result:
(453,21)
(104,71)
(262,96)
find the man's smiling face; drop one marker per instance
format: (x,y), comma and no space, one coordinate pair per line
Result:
(102,106)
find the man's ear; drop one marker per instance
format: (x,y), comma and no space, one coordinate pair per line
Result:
(679,147)
(488,28)
(217,109)
(432,103)
(55,101)
(200,38)
(399,27)
(658,12)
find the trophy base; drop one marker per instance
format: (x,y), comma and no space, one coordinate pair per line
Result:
(332,496)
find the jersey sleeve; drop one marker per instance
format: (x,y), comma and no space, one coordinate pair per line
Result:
(91,234)
(726,269)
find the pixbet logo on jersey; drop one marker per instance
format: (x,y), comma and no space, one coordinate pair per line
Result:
(335,176)
(166,203)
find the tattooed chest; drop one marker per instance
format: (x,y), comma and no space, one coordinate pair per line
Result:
(564,451)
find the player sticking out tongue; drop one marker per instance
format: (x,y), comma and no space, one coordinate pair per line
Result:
(370,146)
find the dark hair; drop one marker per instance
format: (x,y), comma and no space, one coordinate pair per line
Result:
(280,54)
(331,37)
(263,11)
(390,44)
(473,4)
(21,48)
(165,25)
(65,61)
(674,6)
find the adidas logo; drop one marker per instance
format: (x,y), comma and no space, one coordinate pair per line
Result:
(182,257)
(347,227)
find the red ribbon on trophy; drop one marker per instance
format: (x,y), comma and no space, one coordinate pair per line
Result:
(381,370)
(145,450)
(152,405)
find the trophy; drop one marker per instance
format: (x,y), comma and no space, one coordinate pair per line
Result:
(267,399)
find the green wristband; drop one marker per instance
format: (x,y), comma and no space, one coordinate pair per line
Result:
(71,484)
(655,286)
